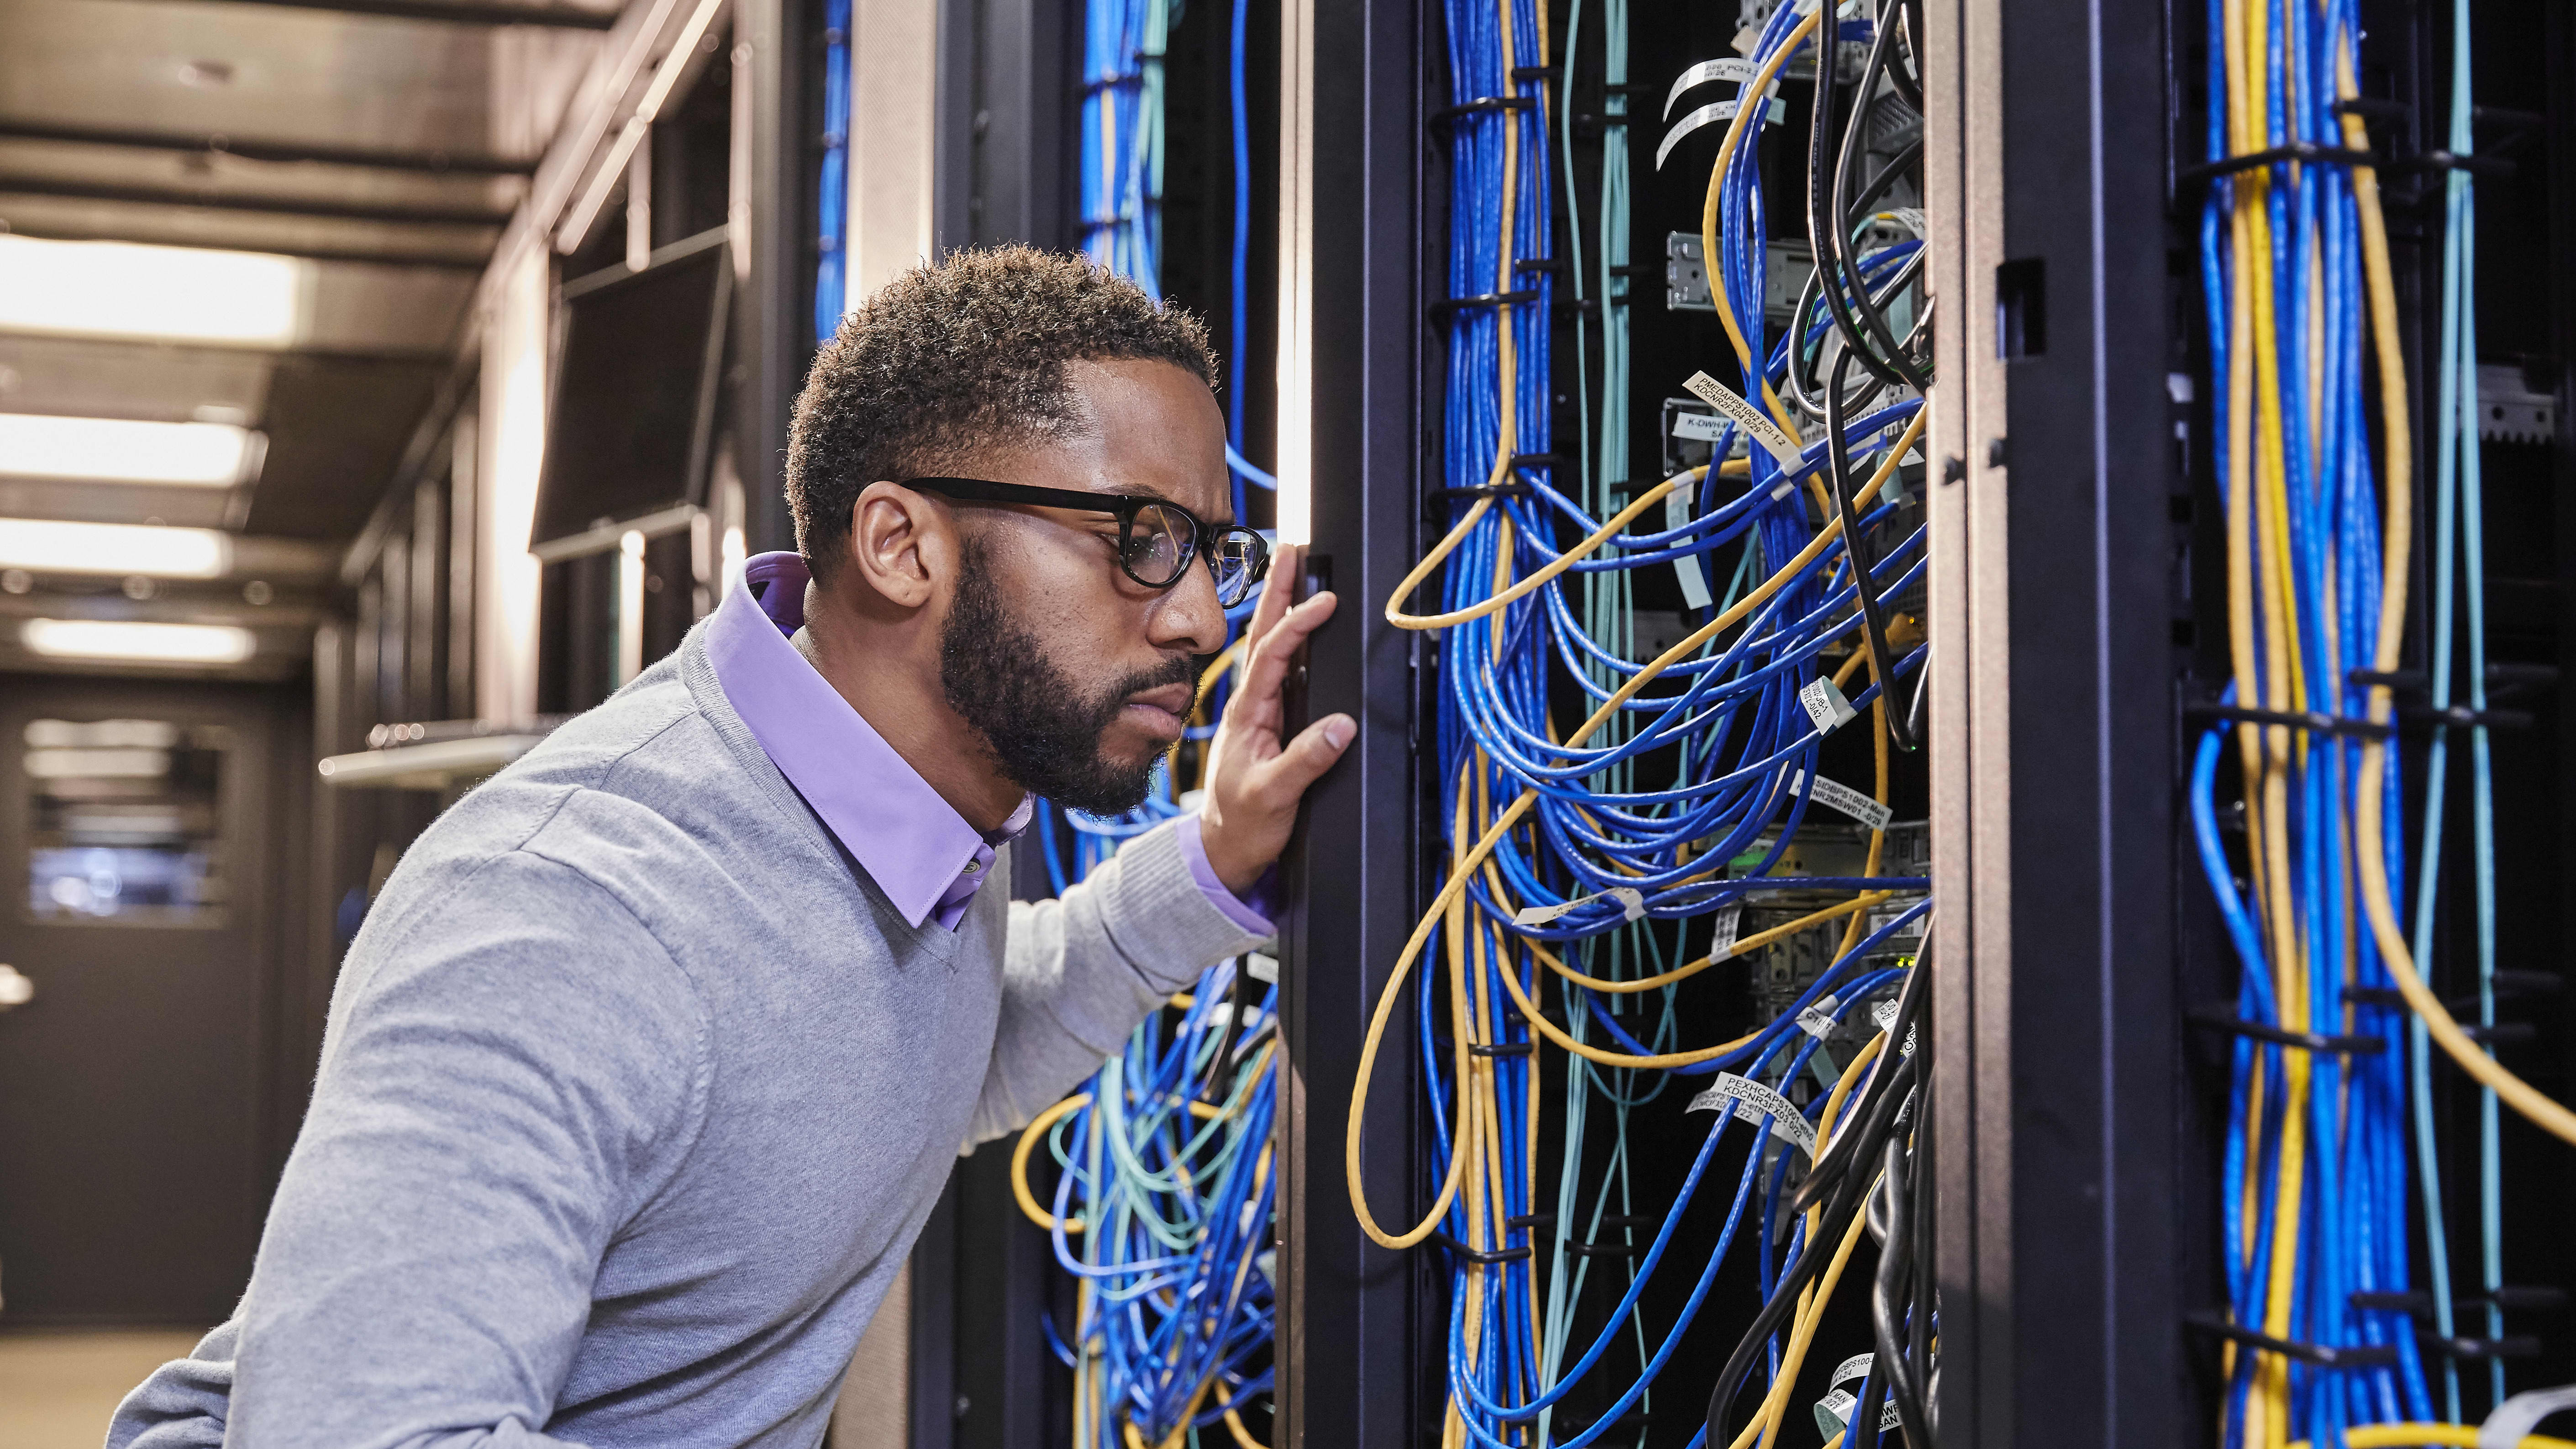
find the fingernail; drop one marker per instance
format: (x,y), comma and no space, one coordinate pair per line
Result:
(1339,732)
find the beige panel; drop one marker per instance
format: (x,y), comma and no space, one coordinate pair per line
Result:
(894,69)
(875,1409)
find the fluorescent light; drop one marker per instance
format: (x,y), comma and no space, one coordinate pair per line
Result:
(96,764)
(180,294)
(124,450)
(45,545)
(136,642)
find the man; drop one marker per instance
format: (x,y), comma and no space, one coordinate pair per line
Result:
(657,1048)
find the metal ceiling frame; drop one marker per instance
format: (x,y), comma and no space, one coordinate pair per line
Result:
(276,205)
(250,149)
(452,12)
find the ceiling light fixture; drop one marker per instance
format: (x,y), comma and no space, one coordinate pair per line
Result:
(177,294)
(128,450)
(52,546)
(136,642)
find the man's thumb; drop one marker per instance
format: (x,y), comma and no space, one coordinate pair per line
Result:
(1314,750)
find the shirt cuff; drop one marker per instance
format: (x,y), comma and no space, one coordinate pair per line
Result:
(1253,915)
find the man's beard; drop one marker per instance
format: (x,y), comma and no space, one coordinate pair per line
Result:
(1035,721)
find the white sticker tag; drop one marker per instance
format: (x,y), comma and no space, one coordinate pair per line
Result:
(1630,899)
(1698,427)
(1728,920)
(1884,1014)
(1849,801)
(1818,1020)
(1834,1410)
(1854,1367)
(1783,448)
(1751,1100)
(1677,513)
(1826,705)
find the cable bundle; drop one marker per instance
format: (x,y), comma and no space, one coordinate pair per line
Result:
(1168,1156)
(1168,1146)
(1565,863)
(1122,136)
(2303,330)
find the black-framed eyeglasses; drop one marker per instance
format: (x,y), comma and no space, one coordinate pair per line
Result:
(1157,538)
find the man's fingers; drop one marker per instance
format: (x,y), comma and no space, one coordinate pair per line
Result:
(1308,756)
(1270,655)
(1278,591)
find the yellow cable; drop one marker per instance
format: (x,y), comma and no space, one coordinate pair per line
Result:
(1464,869)
(1750,101)
(2454,1436)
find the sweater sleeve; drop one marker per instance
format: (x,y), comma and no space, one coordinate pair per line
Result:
(507,1081)
(1080,971)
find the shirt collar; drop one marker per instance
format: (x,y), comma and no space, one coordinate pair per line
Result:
(912,843)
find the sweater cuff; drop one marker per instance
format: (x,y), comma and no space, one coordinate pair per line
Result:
(1253,915)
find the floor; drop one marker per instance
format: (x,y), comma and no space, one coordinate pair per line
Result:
(58,1389)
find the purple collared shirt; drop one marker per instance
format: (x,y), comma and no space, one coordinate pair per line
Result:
(912,843)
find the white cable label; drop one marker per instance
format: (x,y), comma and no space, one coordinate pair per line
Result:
(1782,448)
(1844,798)
(1698,427)
(1818,1020)
(1630,899)
(1884,1014)
(1677,514)
(1856,1366)
(1836,1407)
(1750,1100)
(1728,920)
(1262,968)
(1826,705)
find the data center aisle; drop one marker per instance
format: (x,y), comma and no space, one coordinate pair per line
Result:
(58,1386)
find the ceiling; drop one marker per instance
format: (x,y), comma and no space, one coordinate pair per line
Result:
(384,143)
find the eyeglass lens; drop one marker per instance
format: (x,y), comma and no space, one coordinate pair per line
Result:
(1163,542)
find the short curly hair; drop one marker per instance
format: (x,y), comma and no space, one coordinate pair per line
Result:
(957,356)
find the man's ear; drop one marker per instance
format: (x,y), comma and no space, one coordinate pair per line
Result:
(900,541)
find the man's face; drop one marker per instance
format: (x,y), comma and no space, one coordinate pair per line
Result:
(1076,676)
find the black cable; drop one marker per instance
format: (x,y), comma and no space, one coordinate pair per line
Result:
(1875,1093)
(1873,615)
(1892,1367)
(1829,225)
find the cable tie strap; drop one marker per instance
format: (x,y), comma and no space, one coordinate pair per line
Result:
(2371,107)
(1753,1101)
(2228,1021)
(1606,1250)
(2500,1032)
(1441,118)
(2496,166)
(1499,1048)
(2313,721)
(2460,716)
(1533,72)
(1632,902)
(2325,1356)
(2514,1346)
(1482,490)
(1505,1255)
(1441,309)
(1534,460)
(1528,1220)
(1784,449)
(2420,1302)
(2304,152)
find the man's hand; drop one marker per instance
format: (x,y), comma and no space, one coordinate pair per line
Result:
(1254,782)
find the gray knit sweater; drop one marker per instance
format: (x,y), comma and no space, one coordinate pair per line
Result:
(634,1095)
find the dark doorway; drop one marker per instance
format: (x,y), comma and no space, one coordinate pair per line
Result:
(143,858)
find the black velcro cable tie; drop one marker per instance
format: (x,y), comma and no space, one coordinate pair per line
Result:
(1441,309)
(2311,721)
(2373,108)
(1482,490)
(2420,1301)
(2325,1356)
(1506,1255)
(1533,72)
(2304,1040)
(1529,1220)
(1441,118)
(2460,716)
(2303,152)
(1499,1049)
(2515,1346)
(1535,460)
(1558,265)
(1606,1250)
(2502,1031)
(2496,166)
